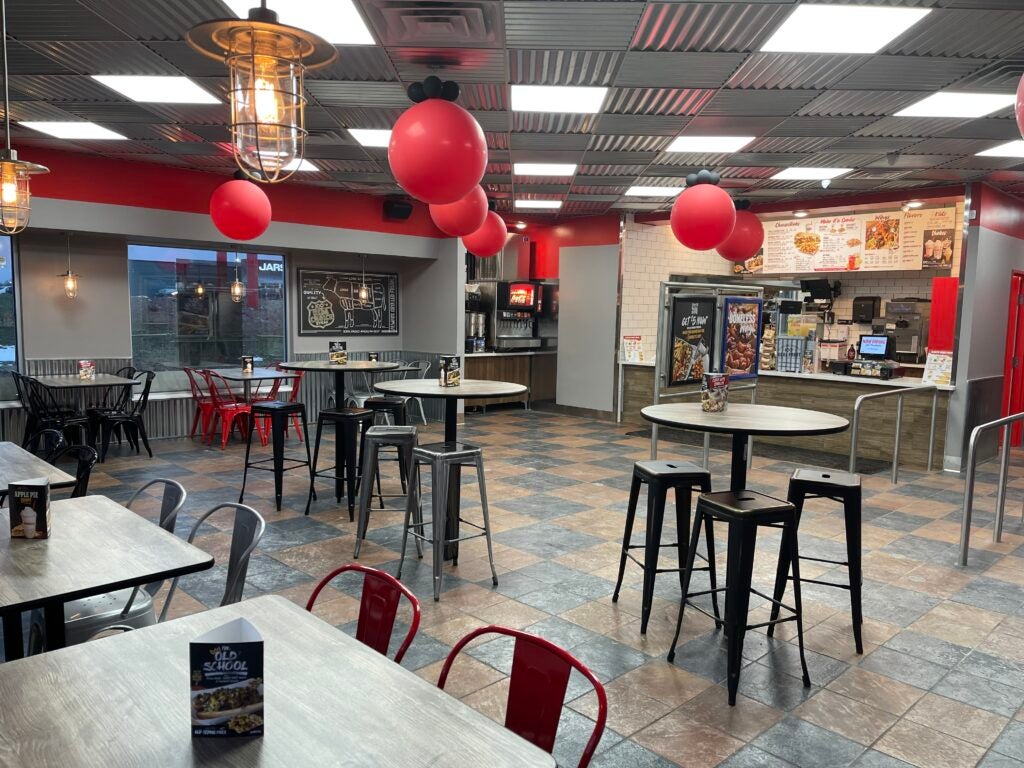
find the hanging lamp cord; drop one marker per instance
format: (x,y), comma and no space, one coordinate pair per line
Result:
(7,95)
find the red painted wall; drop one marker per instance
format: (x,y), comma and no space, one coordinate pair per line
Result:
(96,179)
(997,210)
(550,239)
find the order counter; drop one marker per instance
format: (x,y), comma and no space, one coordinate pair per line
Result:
(823,392)
(534,369)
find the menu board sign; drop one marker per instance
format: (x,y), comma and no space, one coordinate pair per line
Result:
(692,337)
(330,303)
(741,337)
(871,242)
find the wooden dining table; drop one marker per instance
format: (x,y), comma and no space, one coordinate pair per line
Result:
(18,464)
(95,546)
(329,701)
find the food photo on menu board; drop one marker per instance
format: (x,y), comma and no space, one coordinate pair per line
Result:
(742,337)
(692,333)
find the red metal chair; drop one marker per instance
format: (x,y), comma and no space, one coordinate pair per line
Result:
(204,405)
(228,409)
(540,675)
(378,608)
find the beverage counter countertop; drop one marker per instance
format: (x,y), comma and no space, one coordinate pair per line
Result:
(522,353)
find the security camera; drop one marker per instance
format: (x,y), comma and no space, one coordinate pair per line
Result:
(825,183)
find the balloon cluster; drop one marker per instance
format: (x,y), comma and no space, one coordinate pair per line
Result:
(1019,109)
(703,215)
(433,88)
(747,236)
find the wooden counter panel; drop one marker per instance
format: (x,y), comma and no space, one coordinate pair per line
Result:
(878,417)
(498,368)
(543,377)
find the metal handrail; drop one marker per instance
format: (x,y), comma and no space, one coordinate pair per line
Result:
(898,393)
(1004,464)
(707,435)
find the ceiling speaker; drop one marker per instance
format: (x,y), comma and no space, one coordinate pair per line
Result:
(397,210)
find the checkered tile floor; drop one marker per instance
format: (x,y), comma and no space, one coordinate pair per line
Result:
(940,685)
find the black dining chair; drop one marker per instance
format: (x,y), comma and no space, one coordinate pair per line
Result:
(85,456)
(46,412)
(129,417)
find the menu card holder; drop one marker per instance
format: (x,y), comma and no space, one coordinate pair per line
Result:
(373,357)
(337,352)
(247,364)
(86,370)
(714,393)
(451,371)
(227,681)
(30,508)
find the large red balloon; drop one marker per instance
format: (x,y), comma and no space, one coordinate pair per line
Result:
(703,216)
(464,216)
(240,210)
(438,152)
(1020,106)
(746,238)
(489,239)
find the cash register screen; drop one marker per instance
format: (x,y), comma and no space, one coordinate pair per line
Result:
(873,347)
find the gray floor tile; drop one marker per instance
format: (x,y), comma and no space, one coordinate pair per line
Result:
(808,746)
(752,757)
(629,754)
(906,669)
(927,647)
(992,595)
(608,659)
(1011,741)
(773,687)
(982,693)
(873,759)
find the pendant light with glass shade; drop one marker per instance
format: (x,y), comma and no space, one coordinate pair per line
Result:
(237,286)
(364,291)
(15,196)
(69,278)
(200,289)
(266,61)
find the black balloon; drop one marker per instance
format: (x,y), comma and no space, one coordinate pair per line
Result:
(416,94)
(691,179)
(713,178)
(492,204)
(432,87)
(742,205)
(450,90)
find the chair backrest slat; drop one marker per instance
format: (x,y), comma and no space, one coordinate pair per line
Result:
(171,502)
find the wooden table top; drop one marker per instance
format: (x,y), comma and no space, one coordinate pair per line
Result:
(329,701)
(95,546)
(258,374)
(468,389)
(18,464)
(327,365)
(748,418)
(71,381)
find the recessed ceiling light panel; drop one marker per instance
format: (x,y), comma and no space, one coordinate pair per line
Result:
(653,191)
(549,205)
(558,98)
(338,21)
(301,166)
(544,169)
(953,104)
(157,89)
(809,174)
(709,144)
(1009,149)
(371,137)
(842,28)
(72,129)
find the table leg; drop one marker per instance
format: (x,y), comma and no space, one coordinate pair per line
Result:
(738,475)
(247,390)
(14,642)
(451,528)
(53,616)
(339,389)
(451,413)
(339,438)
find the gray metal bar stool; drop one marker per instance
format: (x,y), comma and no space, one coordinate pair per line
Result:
(402,438)
(442,457)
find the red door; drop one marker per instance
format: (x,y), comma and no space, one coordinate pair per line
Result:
(1013,369)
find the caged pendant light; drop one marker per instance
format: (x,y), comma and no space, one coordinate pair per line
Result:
(364,290)
(266,61)
(237,286)
(69,278)
(15,174)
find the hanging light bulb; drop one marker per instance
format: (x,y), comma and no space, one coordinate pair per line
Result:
(15,196)
(237,287)
(364,291)
(70,278)
(266,61)
(200,288)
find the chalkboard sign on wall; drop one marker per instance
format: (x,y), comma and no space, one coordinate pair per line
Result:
(329,304)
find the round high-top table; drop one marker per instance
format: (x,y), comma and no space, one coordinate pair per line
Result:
(469,389)
(339,370)
(741,420)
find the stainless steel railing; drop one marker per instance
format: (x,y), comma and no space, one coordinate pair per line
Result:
(898,394)
(1004,464)
(707,435)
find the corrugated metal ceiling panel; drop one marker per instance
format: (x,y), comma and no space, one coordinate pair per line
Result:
(582,25)
(649,125)
(106,58)
(978,33)
(611,143)
(794,70)
(57,20)
(718,27)
(750,102)
(347,93)
(672,70)
(859,103)
(922,73)
(658,101)
(563,67)
(552,122)
(481,65)
(156,19)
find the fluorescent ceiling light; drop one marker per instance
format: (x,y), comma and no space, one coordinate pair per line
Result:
(157,89)
(300,165)
(809,174)
(709,143)
(557,98)
(801,214)
(338,21)
(920,203)
(1009,149)
(958,104)
(653,191)
(842,28)
(544,169)
(371,137)
(72,130)
(552,205)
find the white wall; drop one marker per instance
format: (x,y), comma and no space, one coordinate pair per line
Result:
(435,301)
(588,279)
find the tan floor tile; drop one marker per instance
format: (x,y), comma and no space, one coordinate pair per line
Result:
(490,700)
(1008,569)
(957,623)
(451,631)
(182,604)
(746,720)
(470,597)
(598,617)
(879,566)
(937,580)
(509,613)
(853,719)
(877,690)
(337,610)
(629,709)
(834,642)
(1004,645)
(319,558)
(467,675)
(687,744)
(876,537)
(873,632)
(956,719)
(923,747)
(665,682)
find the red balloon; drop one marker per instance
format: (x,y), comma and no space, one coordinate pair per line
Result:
(463,217)
(703,216)
(1020,107)
(746,238)
(438,152)
(489,239)
(240,210)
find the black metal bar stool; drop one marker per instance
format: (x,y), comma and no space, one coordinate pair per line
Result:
(442,458)
(744,511)
(659,477)
(838,486)
(347,423)
(392,407)
(279,413)
(403,439)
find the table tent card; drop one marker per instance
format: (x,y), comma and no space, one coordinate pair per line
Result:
(373,357)
(247,364)
(30,508)
(227,681)
(337,352)
(86,370)
(450,373)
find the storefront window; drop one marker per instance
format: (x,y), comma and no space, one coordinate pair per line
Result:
(184,313)
(8,317)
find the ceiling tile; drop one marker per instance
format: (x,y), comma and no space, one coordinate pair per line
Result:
(581,25)
(572,67)
(914,73)
(106,58)
(906,160)
(983,128)
(481,65)
(650,125)
(484,96)
(493,121)
(611,143)
(959,33)
(794,70)
(909,126)
(658,101)
(560,141)
(785,143)
(58,88)
(22,60)
(710,125)
(368,63)
(552,122)
(753,102)
(847,103)
(124,112)
(381,118)
(944,146)
(714,27)
(820,126)
(57,20)
(156,19)
(348,93)
(673,70)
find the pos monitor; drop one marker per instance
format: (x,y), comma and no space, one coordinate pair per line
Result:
(873,347)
